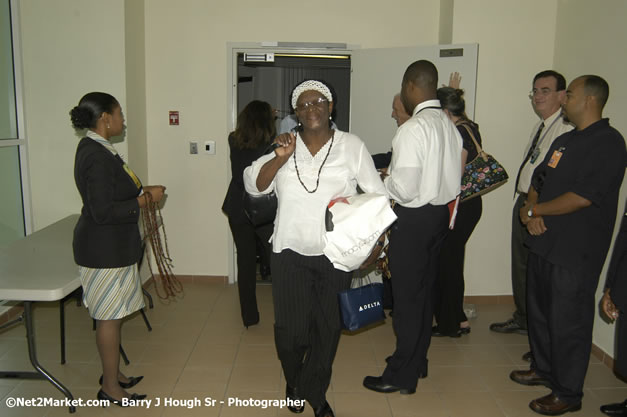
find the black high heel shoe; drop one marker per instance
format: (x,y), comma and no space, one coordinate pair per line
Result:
(104,396)
(132,381)
(324,411)
(291,396)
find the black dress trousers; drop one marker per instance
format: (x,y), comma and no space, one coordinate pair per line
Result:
(244,237)
(449,286)
(415,242)
(560,311)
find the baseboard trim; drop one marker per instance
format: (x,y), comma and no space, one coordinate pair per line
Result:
(204,279)
(605,358)
(489,299)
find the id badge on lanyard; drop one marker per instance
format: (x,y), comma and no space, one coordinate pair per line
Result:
(536,152)
(534,155)
(555,158)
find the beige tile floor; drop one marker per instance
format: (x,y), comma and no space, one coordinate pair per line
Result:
(198,349)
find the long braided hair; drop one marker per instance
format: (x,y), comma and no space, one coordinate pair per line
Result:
(152,223)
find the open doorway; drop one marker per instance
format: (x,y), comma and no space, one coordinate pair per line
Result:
(271,78)
(365,81)
(274,81)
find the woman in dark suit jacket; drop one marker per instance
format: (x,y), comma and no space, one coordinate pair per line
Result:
(107,244)
(254,132)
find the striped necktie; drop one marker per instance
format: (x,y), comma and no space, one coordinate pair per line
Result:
(529,153)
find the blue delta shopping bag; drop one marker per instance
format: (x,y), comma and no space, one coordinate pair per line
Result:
(361,306)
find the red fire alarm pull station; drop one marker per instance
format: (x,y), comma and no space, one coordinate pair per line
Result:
(174,118)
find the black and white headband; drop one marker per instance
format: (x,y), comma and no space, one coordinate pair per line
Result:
(311,85)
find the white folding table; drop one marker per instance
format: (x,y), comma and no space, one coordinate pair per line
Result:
(39,267)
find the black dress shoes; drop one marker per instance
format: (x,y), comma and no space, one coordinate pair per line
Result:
(134,397)
(324,411)
(617,409)
(294,403)
(551,405)
(132,381)
(529,377)
(528,357)
(435,331)
(376,383)
(509,326)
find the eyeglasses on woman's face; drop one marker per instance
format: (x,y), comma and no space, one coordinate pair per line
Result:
(317,104)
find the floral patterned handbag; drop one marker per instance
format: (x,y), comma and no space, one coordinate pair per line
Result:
(481,175)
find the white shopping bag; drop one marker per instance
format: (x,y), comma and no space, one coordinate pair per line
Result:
(357,223)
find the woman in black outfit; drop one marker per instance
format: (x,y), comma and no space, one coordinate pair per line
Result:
(107,243)
(254,132)
(449,289)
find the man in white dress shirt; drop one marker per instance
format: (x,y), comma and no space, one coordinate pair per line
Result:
(547,95)
(424,175)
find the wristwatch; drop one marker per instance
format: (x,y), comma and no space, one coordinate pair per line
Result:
(530,212)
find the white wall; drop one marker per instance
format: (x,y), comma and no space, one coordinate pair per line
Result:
(69,47)
(516,41)
(590,40)
(186,71)
(135,71)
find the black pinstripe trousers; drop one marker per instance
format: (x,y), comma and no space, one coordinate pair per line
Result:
(307,320)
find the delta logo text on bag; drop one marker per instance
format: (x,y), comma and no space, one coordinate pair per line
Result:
(353,226)
(369,306)
(361,306)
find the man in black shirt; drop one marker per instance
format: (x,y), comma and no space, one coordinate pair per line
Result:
(570,214)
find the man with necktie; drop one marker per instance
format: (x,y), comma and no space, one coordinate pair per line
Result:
(570,214)
(547,96)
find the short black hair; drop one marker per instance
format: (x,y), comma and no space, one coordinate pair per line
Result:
(422,74)
(596,86)
(560,81)
(90,108)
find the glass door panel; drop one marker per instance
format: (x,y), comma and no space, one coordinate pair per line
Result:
(12,224)
(8,119)
(11,205)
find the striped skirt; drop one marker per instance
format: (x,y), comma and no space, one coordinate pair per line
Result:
(111,293)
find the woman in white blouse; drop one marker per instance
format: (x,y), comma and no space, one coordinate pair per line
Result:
(307,170)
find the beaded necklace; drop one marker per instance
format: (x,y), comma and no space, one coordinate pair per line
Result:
(319,171)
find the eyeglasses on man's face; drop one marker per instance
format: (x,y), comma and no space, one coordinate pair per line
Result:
(310,105)
(540,92)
